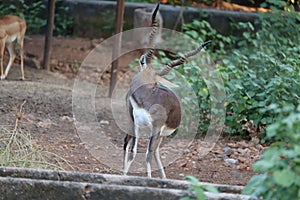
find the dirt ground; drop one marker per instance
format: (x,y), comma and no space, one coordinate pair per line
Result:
(48,116)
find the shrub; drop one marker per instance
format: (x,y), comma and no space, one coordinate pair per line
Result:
(280,163)
(260,69)
(198,188)
(33,12)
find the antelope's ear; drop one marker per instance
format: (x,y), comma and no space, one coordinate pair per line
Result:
(143,62)
(165,82)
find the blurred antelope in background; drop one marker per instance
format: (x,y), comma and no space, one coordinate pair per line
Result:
(12,28)
(153,106)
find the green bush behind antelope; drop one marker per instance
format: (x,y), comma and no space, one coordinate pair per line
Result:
(33,11)
(260,69)
(279,166)
(261,72)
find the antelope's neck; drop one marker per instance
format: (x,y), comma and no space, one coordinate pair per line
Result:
(145,77)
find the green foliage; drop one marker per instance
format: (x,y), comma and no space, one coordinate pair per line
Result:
(200,89)
(33,12)
(108,22)
(199,189)
(280,163)
(202,31)
(279,4)
(260,69)
(63,23)
(265,70)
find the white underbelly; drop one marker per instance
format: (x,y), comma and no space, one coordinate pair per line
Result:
(165,131)
(11,38)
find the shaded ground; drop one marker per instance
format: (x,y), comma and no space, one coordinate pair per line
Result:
(48,116)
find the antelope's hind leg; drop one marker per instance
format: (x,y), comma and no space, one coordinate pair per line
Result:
(12,56)
(127,140)
(20,41)
(2,47)
(129,157)
(153,144)
(157,159)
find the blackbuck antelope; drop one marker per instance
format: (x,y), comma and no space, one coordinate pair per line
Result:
(153,106)
(12,28)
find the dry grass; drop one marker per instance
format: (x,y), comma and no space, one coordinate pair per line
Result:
(18,149)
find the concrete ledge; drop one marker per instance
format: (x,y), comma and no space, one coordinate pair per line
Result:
(11,188)
(51,184)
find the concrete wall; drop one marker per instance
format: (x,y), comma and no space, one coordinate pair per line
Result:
(96,18)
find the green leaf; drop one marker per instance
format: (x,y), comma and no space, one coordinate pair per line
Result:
(284,177)
(211,188)
(250,94)
(185,198)
(193,34)
(262,165)
(192,179)
(253,183)
(297,149)
(199,193)
(203,92)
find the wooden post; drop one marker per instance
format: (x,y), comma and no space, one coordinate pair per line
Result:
(117,44)
(48,36)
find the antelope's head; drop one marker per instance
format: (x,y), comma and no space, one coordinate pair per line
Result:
(145,59)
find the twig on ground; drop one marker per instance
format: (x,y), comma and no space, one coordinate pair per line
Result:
(19,115)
